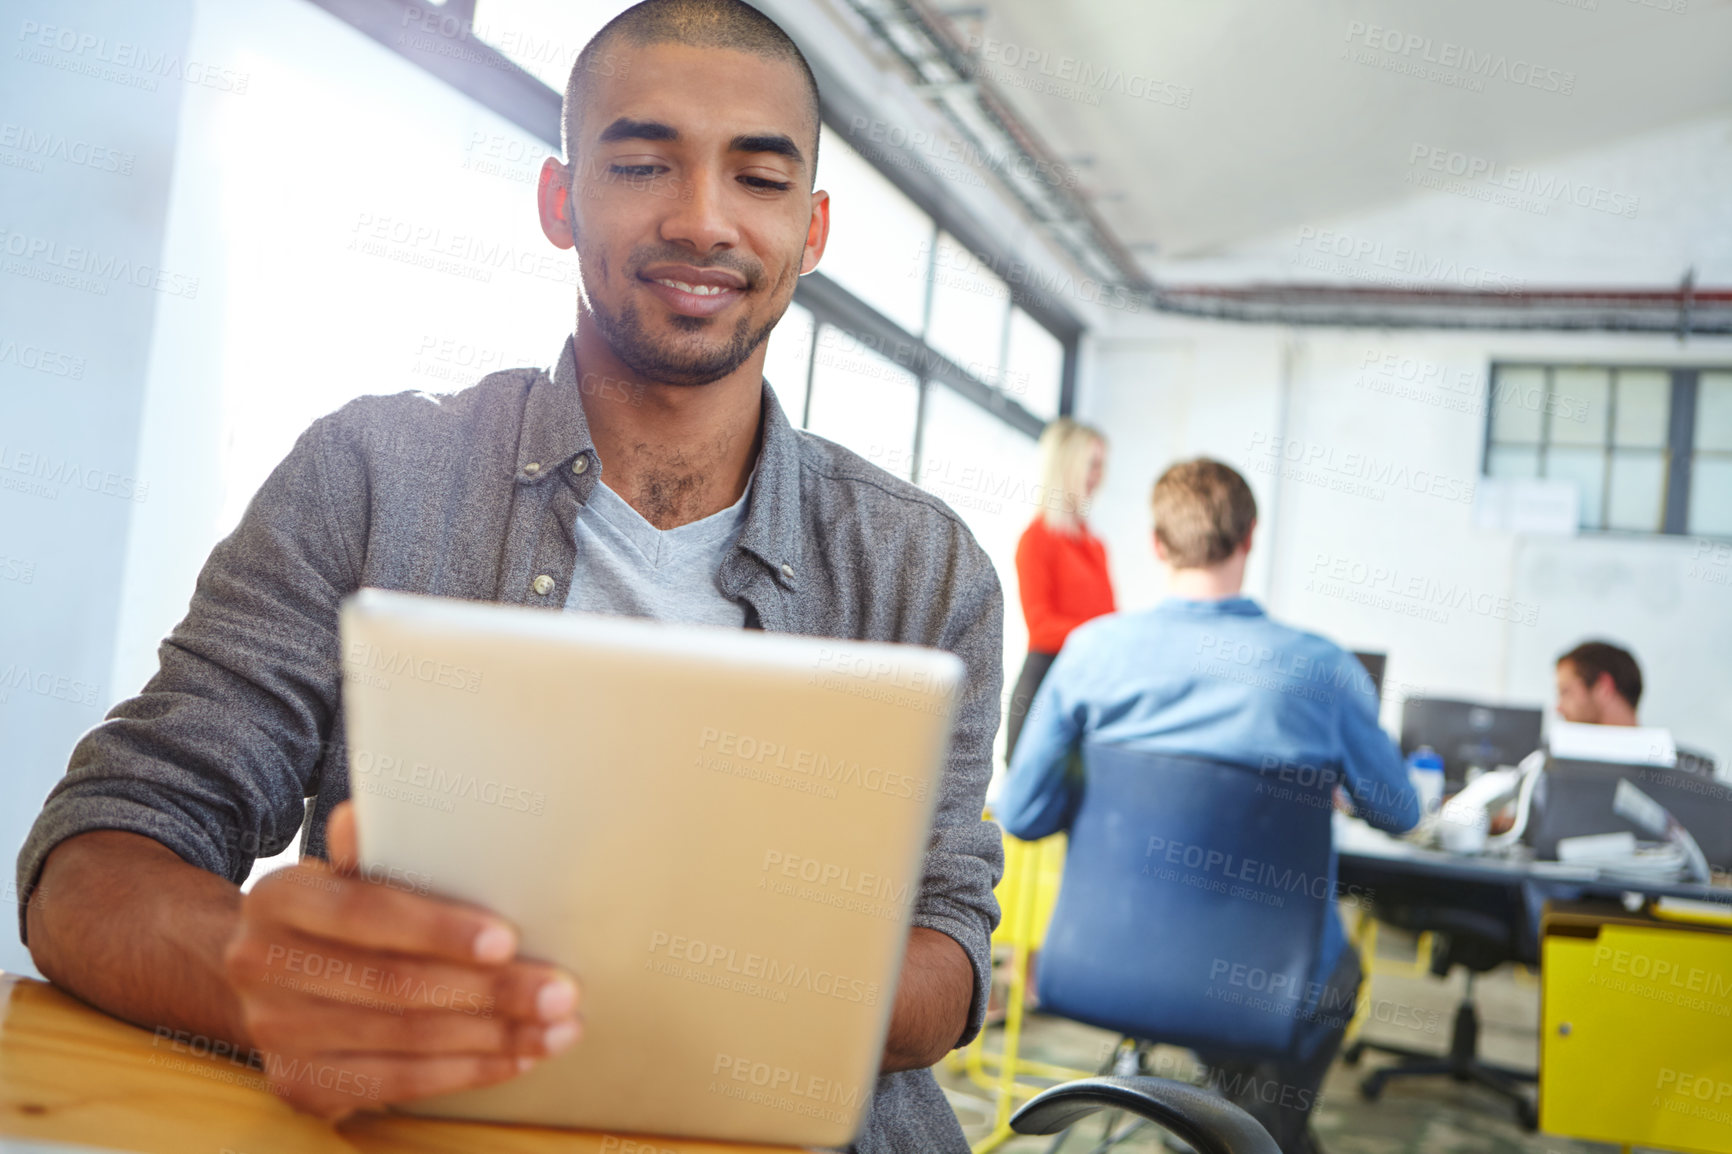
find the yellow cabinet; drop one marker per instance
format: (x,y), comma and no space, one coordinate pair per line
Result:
(1636,1032)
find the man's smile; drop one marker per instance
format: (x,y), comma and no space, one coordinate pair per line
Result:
(693,291)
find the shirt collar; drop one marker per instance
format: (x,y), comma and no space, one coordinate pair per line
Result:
(772,529)
(556,432)
(1239,606)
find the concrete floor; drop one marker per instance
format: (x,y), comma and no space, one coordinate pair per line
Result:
(1418,1116)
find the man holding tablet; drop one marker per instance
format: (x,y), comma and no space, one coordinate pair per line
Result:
(680,491)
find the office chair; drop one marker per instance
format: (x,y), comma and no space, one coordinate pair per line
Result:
(1192,907)
(1478,941)
(1209,1124)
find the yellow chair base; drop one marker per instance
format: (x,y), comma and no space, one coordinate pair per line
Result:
(1026,894)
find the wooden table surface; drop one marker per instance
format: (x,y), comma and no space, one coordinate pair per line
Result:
(69,1073)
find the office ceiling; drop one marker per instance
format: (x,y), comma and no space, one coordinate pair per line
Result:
(1195,124)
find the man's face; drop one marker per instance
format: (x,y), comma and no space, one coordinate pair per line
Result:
(689,202)
(1576,700)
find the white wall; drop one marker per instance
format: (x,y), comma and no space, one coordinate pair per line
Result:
(87,144)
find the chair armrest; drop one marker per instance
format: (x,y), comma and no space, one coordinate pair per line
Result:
(1209,1123)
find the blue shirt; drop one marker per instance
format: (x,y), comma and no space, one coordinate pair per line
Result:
(1215,679)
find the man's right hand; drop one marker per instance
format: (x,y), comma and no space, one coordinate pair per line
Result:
(361,993)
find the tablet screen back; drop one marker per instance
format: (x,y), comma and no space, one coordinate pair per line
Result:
(720,832)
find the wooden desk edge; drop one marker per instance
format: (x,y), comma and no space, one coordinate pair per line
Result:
(70,1073)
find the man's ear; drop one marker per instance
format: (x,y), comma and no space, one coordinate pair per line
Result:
(1246,543)
(553,199)
(817,232)
(1160,549)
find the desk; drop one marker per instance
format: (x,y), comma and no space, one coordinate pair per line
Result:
(1494,905)
(1374,862)
(71,1074)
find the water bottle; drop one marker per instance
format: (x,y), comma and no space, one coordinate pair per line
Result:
(1425,774)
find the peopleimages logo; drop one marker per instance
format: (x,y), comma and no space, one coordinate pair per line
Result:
(1363,258)
(39,146)
(1325,459)
(48,471)
(1458,59)
(776,975)
(943,150)
(1544,188)
(1072,77)
(38,359)
(86,269)
(1412,594)
(121,61)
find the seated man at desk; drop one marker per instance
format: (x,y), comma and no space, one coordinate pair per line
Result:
(1600,684)
(1152,680)
(687,188)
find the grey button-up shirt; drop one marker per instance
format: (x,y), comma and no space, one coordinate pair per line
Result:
(474,494)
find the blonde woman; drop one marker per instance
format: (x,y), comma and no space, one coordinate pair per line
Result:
(1060,566)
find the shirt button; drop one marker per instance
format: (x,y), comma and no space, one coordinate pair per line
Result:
(543,585)
(532,468)
(788,571)
(581,465)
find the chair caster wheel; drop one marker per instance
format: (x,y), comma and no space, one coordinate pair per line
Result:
(1527,1116)
(1371,1089)
(1351,1055)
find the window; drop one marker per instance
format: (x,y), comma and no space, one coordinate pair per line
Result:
(1648,449)
(542,37)
(788,363)
(1033,366)
(879,242)
(1711,457)
(864,401)
(970,309)
(989,473)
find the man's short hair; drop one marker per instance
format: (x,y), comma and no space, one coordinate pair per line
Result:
(1592,658)
(1203,511)
(698,23)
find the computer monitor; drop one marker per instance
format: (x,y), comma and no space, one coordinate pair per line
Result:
(1468,734)
(1374,664)
(1574,798)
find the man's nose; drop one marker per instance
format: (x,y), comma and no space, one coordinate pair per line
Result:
(699,216)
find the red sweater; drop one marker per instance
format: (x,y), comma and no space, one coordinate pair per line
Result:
(1064,582)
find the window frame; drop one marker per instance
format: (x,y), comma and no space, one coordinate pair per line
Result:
(1678,452)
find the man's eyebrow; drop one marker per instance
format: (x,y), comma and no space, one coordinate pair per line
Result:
(625,128)
(774,142)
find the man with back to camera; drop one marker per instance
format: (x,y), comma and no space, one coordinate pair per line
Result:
(1146,679)
(688,193)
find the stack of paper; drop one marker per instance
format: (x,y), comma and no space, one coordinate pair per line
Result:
(1622,744)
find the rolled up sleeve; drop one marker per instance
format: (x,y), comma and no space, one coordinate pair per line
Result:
(214,757)
(965,857)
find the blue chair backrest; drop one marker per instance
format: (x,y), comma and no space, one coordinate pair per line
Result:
(1193,903)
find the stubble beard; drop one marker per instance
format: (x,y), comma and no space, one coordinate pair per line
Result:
(670,361)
